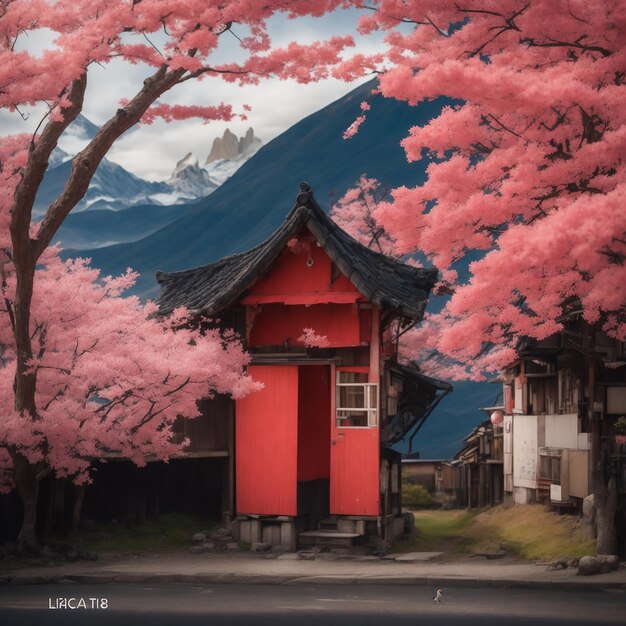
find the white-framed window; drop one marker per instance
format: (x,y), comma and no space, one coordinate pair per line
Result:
(357,400)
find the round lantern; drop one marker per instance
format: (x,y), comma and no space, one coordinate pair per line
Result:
(497,417)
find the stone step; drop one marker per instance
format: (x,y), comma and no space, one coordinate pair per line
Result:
(326,538)
(342,525)
(330,523)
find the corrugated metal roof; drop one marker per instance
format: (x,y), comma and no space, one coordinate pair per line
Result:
(384,281)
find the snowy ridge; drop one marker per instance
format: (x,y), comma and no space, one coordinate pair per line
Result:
(114,188)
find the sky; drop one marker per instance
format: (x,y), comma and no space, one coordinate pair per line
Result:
(151,151)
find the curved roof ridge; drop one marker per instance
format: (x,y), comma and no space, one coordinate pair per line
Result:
(384,281)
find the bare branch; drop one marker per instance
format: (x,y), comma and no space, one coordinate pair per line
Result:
(181,386)
(148,40)
(500,124)
(578,45)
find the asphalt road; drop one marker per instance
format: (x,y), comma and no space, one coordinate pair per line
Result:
(300,605)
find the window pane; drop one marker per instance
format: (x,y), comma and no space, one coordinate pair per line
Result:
(372,404)
(351,419)
(352,377)
(351,397)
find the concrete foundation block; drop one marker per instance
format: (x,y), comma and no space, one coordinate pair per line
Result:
(271,534)
(346,526)
(288,535)
(255,531)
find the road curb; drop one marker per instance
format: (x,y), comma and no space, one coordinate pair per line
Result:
(290,579)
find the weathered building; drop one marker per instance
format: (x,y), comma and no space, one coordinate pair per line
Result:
(480,465)
(562,399)
(310,454)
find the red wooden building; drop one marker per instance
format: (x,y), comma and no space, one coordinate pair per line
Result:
(310,455)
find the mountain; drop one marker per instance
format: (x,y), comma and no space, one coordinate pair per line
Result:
(189,180)
(254,201)
(229,153)
(82,128)
(88,230)
(251,204)
(57,157)
(230,148)
(112,187)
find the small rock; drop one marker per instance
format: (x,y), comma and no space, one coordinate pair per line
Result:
(306,556)
(232,546)
(198,549)
(490,556)
(72,555)
(608,562)
(198,538)
(208,546)
(46,552)
(572,562)
(259,546)
(409,523)
(222,532)
(589,565)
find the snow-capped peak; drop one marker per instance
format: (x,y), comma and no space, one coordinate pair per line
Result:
(189,180)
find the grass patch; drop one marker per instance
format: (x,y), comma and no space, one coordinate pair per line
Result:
(527,531)
(12,563)
(530,532)
(168,533)
(437,531)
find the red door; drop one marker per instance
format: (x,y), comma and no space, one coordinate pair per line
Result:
(266,444)
(354,449)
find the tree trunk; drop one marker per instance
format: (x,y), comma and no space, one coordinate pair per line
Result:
(605,497)
(27,479)
(604,491)
(78,506)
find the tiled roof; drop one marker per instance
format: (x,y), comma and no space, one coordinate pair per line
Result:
(384,281)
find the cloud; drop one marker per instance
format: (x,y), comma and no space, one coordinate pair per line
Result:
(152,151)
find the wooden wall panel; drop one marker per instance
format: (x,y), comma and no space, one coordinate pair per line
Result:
(354,479)
(266,443)
(209,431)
(301,268)
(277,323)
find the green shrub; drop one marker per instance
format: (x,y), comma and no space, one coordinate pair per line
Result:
(415,496)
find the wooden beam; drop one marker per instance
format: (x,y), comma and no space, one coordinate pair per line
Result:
(322,297)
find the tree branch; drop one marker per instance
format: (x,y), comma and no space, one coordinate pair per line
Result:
(86,162)
(529,41)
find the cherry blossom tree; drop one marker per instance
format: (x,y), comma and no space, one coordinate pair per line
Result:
(47,413)
(312,340)
(527,171)
(354,212)
(112,378)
